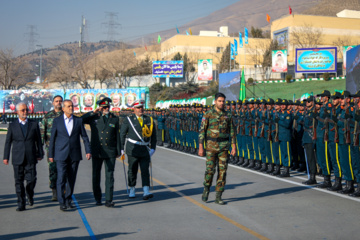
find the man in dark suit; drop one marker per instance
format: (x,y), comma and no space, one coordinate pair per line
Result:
(140,131)
(105,147)
(65,149)
(24,138)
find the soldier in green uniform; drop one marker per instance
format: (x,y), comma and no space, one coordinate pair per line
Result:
(216,130)
(45,130)
(140,132)
(105,148)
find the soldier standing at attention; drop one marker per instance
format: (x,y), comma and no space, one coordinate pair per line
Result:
(216,129)
(105,148)
(140,132)
(45,131)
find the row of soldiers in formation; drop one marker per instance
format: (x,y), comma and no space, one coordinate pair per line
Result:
(319,135)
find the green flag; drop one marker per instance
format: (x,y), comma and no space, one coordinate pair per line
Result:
(159,39)
(242,93)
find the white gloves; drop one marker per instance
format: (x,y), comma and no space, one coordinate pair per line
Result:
(122,152)
(152,151)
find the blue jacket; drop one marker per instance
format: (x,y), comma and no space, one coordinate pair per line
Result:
(62,145)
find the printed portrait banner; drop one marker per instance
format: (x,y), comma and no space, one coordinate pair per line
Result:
(345,49)
(353,70)
(172,69)
(279,61)
(205,72)
(84,100)
(38,101)
(316,60)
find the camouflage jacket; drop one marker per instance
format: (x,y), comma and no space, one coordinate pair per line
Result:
(46,126)
(217,125)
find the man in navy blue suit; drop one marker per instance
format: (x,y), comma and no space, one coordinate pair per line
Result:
(65,150)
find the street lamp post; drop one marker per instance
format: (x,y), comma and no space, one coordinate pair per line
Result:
(40,62)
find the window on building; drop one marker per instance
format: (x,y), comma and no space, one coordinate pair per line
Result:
(219,49)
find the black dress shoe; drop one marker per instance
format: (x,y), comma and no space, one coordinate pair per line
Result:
(62,207)
(147,197)
(69,205)
(109,204)
(31,202)
(98,203)
(20,209)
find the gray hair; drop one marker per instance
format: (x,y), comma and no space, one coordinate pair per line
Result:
(20,104)
(66,100)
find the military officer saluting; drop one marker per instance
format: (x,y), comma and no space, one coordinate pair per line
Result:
(105,147)
(140,131)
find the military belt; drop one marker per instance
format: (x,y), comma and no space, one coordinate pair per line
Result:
(218,139)
(137,142)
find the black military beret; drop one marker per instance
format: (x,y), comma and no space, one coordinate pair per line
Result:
(336,95)
(325,93)
(270,101)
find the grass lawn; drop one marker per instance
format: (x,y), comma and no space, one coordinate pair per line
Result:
(287,90)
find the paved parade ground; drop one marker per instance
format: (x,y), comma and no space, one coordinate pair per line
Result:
(259,206)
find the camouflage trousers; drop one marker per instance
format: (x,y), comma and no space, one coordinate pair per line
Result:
(52,173)
(213,160)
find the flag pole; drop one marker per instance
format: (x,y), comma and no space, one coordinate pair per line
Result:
(230,57)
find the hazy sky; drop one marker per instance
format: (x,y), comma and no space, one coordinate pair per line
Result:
(58,21)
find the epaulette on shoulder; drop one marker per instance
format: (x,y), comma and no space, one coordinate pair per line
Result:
(329,105)
(352,108)
(288,112)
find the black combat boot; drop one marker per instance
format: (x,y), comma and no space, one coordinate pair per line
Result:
(252,164)
(357,191)
(302,167)
(229,158)
(240,162)
(181,148)
(218,199)
(337,185)
(205,195)
(270,168)
(285,173)
(276,171)
(311,181)
(258,165)
(295,166)
(263,167)
(54,195)
(326,183)
(236,159)
(348,189)
(246,163)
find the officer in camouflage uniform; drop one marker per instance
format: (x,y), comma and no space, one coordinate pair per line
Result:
(216,128)
(45,130)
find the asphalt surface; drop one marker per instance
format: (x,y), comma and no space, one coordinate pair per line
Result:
(258,207)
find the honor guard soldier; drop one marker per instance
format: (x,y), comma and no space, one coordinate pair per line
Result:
(140,132)
(45,131)
(105,148)
(218,131)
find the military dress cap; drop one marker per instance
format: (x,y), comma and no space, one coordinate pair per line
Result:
(138,103)
(290,102)
(346,94)
(310,99)
(297,103)
(238,101)
(232,102)
(263,101)
(258,101)
(104,102)
(270,101)
(325,93)
(357,94)
(251,101)
(227,103)
(336,95)
(303,103)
